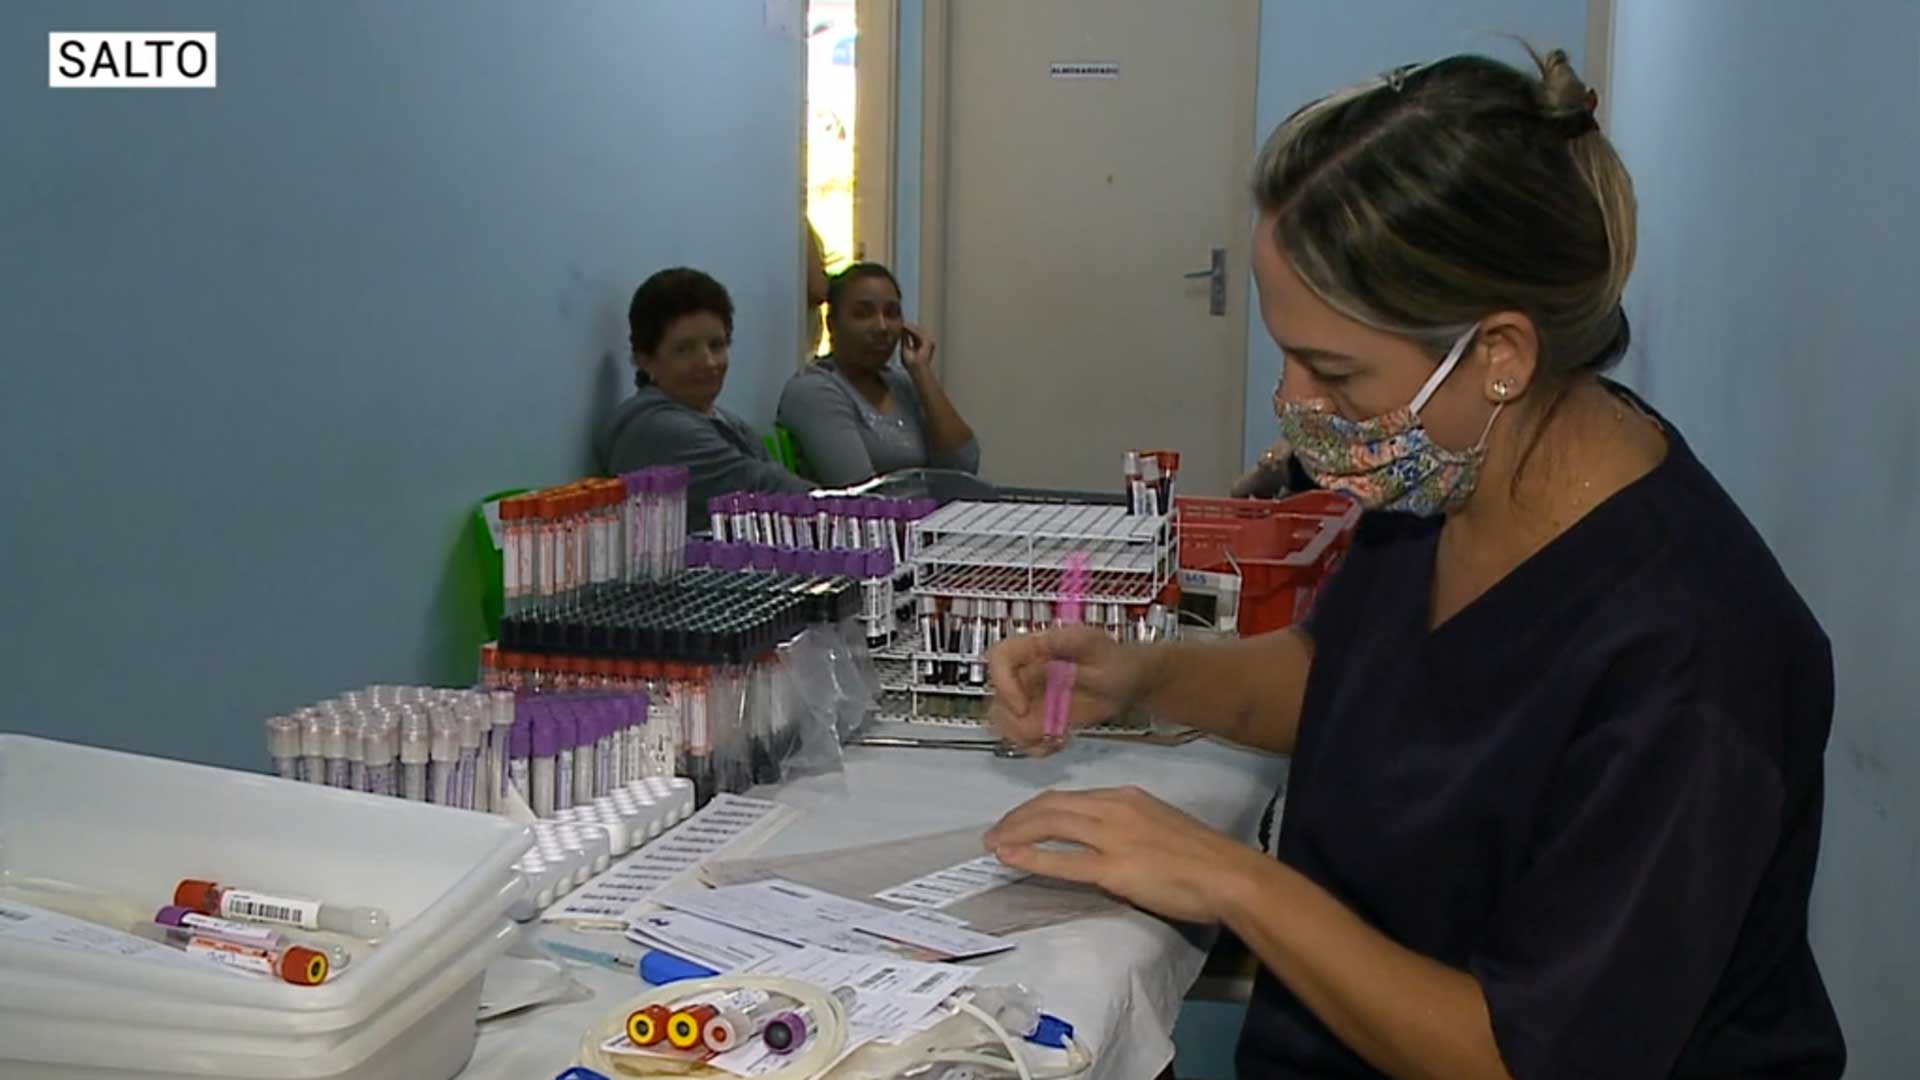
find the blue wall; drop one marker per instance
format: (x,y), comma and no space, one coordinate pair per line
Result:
(1776,308)
(264,345)
(1311,47)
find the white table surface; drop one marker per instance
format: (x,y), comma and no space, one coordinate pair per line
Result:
(1119,978)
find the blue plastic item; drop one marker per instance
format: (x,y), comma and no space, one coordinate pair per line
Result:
(659,969)
(1052,1031)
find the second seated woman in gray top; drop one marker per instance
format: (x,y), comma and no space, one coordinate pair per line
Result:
(854,414)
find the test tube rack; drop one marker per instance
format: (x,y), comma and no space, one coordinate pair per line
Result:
(975,557)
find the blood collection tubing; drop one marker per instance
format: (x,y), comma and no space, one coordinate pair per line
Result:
(283,745)
(212,898)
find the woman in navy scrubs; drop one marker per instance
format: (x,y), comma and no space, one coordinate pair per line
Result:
(1556,725)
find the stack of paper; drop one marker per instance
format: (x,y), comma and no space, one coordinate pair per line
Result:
(778,916)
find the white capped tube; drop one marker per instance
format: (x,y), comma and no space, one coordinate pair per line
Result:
(416,743)
(283,745)
(313,745)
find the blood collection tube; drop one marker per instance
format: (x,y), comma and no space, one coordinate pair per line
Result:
(443,753)
(473,739)
(586,752)
(497,707)
(212,898)
(607,747)
(740,1017)
(175,917)
(416,750)
(542,747)
(823,519)
(313,745)
(648,1026)
(337,729)
(566,733)
(876,597)
(510,555)
(687,1023)
(788,1031)
(294,964)
(283,745)
(356,752)
(379,744)
(520,757)
(720,518)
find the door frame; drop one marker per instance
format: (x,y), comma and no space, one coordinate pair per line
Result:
(1598,59)
(935,68)
(876,112)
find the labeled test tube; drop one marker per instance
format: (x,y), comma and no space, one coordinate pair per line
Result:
(283,745)
(175,917)
(228,902)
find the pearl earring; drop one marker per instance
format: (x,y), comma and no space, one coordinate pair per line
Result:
(1501,388)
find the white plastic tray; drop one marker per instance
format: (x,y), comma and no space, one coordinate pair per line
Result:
(134,826)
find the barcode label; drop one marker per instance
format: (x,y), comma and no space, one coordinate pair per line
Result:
(285,910)
(879,977)
(928,984)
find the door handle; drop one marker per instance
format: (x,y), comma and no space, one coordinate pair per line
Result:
(1216,276)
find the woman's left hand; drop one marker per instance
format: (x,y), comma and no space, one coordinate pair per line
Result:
(1134,846)
(916,347)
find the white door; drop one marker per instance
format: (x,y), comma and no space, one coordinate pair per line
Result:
(1096,154)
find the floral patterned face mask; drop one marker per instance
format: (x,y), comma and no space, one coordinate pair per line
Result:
(1388,462)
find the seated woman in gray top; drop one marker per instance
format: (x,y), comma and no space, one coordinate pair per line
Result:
(681,326)
(853,414)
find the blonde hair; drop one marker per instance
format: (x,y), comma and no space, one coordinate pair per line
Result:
(1425,200)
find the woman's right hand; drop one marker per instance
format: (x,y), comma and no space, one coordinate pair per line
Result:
(1108,679)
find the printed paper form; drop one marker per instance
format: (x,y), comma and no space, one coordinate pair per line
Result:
(800,915)
(866,871)
(733,824)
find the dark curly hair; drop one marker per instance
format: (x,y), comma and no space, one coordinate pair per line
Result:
(669,295)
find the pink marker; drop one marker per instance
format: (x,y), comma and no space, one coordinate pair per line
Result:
(1060,673)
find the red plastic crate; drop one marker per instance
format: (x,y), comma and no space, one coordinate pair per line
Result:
(1283,549)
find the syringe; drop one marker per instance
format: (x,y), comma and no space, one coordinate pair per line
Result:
(212,898)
